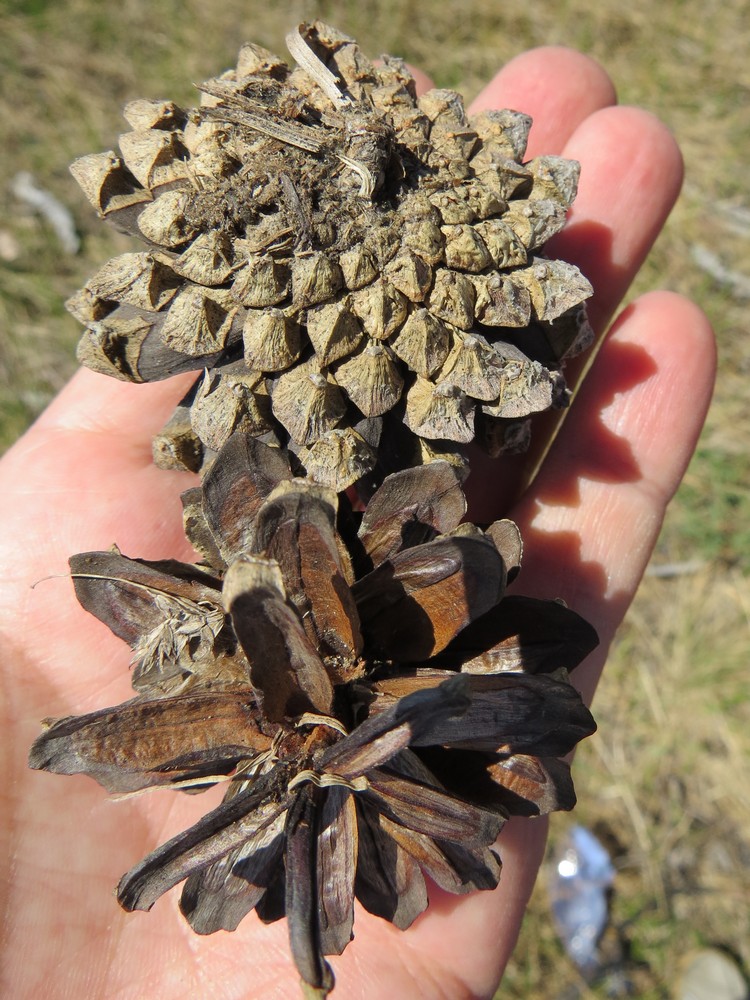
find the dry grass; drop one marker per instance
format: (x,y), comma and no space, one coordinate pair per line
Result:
(666,780)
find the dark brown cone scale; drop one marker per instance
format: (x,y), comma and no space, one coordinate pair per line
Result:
(374,702)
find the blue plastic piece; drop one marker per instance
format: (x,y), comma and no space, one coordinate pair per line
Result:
(580,875)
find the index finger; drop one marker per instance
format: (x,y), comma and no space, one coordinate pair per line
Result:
(631,173)
(558,87)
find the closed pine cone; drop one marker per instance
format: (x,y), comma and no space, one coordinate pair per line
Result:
(333,253)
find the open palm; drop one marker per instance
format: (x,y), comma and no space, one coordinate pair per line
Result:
(82,478)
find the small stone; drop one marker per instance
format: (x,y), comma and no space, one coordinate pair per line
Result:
(711,975)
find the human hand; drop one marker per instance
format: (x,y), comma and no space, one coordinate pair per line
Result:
(82,478)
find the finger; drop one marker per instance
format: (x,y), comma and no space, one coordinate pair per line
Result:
(96,403)
(631,174)
(558,87)
(422,80)
(622,204)
(592,516)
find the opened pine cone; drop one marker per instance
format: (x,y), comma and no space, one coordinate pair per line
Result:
(375,702)
(335,254)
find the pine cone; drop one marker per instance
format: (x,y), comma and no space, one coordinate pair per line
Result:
(337,254)
(376,703)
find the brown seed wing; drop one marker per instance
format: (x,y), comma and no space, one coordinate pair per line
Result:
(534,785)
(218,897)
(509,713)
(272,906)
(243,475)
(285,668)
(508,541)
(302,896)
(389,882)
(521,633)
(384,734)
(454,867)
(515,713)
(519,784)
(336,866)
(154,742)
(296,527)
(196,527)
(415,603)
(215,835)
(430,811)
(132,596)
(410,508)
(427,854)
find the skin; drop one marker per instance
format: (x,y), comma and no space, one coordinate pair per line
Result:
(82,478)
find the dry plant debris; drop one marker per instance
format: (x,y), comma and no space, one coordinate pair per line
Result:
(375,702)
(359,277)
(340,259)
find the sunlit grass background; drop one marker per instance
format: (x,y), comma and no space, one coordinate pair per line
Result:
(666,782)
